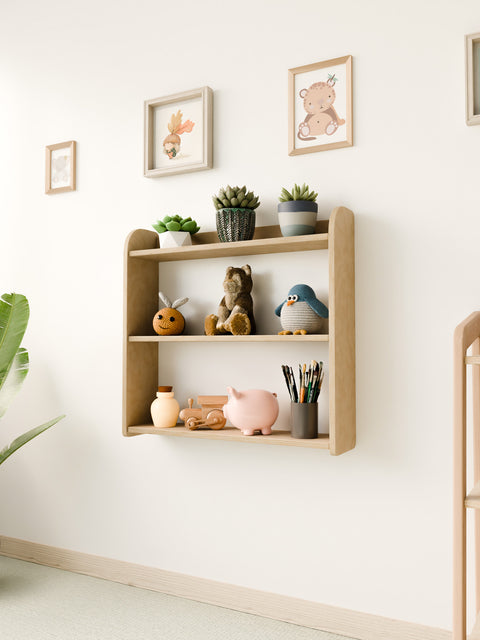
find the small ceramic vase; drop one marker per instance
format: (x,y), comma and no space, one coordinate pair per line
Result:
(165,409)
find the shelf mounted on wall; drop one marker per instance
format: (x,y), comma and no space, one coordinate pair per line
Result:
(140,347)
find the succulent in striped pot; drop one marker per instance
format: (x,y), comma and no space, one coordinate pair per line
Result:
(297,211)
(235,213)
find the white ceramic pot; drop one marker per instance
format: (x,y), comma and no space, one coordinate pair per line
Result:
(175,239)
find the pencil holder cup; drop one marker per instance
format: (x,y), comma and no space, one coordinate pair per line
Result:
(304,419)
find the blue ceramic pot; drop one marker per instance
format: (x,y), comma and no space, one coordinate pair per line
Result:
(297,217)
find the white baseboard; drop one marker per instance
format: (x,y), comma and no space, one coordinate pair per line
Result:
(353,624)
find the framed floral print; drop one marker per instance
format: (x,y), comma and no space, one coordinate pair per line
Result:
(178,133)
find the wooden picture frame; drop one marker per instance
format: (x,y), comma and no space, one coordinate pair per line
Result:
(60,167)
(311,127)
(189,115)
(472,67)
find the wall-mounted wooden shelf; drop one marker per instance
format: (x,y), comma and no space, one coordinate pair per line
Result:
(140,375)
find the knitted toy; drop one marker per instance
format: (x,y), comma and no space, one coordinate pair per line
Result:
(301,312)
(168,321)
(235,311)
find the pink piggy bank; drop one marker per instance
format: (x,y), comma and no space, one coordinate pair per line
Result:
(251,410)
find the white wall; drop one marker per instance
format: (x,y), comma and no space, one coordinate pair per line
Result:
(370,530)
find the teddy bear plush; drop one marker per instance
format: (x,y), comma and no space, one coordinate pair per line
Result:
(235,311)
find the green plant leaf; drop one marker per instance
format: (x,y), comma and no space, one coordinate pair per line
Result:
(14,313)
(26,437)
(14,379)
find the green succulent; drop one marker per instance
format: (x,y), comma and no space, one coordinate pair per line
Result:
(235,197)
(176,223)
(298,193)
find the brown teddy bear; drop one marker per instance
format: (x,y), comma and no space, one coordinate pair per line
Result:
(235,311)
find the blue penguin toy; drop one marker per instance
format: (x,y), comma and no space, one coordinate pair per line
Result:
(302,312)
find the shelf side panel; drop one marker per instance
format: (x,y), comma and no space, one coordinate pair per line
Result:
(342,398)
(140,360)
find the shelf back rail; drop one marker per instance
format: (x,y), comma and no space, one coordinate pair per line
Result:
(467,334)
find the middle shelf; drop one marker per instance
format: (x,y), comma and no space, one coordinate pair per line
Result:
(229,338)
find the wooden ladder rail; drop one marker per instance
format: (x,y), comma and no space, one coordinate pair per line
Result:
(467,334)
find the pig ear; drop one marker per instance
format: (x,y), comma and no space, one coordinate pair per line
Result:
(233,392)
(274,394)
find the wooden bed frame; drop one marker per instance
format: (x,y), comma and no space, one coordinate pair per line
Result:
(467,335)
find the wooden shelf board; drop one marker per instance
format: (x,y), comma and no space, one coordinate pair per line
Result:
(473,498)
(313,337)
(228,249)
(230,433)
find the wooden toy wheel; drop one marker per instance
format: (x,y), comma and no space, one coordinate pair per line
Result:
(216,419)
(192,423)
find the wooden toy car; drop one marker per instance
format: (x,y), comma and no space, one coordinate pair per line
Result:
(208,415)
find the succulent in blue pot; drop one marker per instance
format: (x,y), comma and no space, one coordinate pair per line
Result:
(297,211)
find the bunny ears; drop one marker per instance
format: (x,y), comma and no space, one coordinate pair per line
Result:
(171,305)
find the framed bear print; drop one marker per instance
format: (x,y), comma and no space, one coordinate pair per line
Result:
(320,106)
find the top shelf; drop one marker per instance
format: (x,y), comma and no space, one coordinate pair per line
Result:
(266,240)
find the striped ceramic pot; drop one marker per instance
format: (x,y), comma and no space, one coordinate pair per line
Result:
(297,217)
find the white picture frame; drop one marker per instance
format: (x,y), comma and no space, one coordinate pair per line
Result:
(178,133)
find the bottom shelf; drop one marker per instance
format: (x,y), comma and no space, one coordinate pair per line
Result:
(230,433)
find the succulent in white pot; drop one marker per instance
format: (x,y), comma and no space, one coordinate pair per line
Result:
(297,211)
(175,231)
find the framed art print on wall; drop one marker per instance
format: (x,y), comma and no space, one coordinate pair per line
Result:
(178,133)
(320,106)
(60,167)
(472,54)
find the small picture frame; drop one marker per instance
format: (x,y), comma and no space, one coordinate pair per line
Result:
(60,167)
(179,133)
(472,65)
(320,109)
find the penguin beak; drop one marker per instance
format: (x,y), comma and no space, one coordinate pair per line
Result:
(290,302)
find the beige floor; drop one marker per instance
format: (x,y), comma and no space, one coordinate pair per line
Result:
(40,603)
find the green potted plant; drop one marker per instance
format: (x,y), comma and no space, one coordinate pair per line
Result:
(175,231)
(14,363)
(235,214)
(297,211)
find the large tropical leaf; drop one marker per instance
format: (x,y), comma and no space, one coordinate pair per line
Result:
(14,379)
(26,437)
(14,313)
